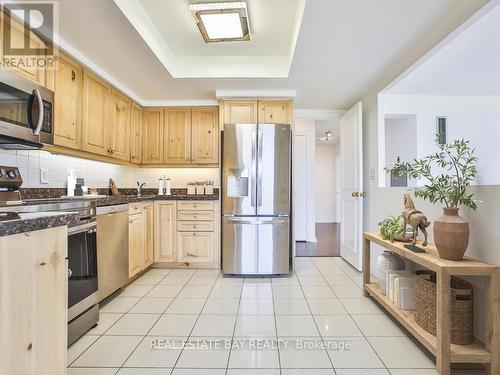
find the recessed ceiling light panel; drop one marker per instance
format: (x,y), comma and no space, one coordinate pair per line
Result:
(222,22)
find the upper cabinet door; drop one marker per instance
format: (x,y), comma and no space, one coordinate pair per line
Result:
(16,31)
(152,136)
(205,136)
(68,103)
(240,112)
(136,134)
(120,126)
(275,112)
(177,136)
(95,130)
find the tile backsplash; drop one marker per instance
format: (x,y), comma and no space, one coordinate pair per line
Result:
(95,173)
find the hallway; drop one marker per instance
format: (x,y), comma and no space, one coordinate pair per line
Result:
(328,245)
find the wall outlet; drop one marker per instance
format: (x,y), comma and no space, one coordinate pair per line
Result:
(44,176)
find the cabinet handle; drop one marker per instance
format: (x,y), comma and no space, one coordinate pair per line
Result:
(195,215)
(70,273)
(194,234)
(43,264)
(73,75)
(192,255)
(194,226)
(27,234)
(30,346)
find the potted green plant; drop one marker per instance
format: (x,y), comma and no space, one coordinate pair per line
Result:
(448,174)
(392,227)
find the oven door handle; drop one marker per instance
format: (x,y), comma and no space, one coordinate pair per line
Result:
(82,228)
(41,114)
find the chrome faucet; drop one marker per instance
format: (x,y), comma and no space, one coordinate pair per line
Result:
(139,188)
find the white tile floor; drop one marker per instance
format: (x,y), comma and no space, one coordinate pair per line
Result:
(189,322)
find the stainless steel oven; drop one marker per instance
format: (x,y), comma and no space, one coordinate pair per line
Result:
(26,113)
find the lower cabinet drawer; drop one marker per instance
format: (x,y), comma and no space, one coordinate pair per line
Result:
(195,247)
(195,205)
(195,226)
(195,215)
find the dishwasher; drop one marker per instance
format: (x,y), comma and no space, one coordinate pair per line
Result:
(112,248)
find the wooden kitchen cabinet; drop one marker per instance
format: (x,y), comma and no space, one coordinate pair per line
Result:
(68,103)
(95,129)
(17,34)
(275,112)
(136,134)
(135,244)
(239,111)
(152,136)
(205,136)
(195,246)
(33,290)
(119,129)
(165,231)
(177,136)
(148,212)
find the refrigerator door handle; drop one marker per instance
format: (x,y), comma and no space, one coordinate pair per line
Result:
(256,221)
(253,191)
(259,169)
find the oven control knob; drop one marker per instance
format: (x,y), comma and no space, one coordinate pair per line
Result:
(11,173)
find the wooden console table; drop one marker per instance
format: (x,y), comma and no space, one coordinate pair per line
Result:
(446,353)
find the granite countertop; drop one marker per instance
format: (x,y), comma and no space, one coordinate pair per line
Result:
(123,199)
(28,222)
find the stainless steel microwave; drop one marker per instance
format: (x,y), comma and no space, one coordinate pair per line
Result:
(26,113)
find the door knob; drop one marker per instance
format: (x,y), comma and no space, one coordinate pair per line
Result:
(355,194)
(363,194)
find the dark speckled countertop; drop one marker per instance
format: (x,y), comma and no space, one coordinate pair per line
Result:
(28,222)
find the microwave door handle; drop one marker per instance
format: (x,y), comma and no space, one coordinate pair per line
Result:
(41,113)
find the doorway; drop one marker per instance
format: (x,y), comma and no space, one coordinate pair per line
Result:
(317,152)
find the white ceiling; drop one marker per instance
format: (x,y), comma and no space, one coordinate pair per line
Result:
(169,28)
(468,65)
(342,48)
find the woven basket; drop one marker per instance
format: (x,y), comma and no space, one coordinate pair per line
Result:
(461,307)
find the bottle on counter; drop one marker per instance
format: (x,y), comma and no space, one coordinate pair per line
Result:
(166,185)
(160,186)
(71,183)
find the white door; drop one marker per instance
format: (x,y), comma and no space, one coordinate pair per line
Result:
(351,206)
(338,180)
(300,188)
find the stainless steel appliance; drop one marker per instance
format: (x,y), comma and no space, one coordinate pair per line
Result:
(26,113)
(112,248)
(83,309)
(256,190)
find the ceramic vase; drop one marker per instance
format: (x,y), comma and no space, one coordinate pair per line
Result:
(387,261)
(451,235)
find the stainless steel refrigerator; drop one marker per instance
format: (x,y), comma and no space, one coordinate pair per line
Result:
(256,190)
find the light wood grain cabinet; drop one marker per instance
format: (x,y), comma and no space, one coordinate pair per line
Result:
(239,112)
(195,246)
(135,244)
(275,112)
(152,136)
(177,136)
(33,302)
(119,127)
(136,134)
(165,231)
(68,103)
(148,212)
(15,31)
(205,136)
(95,130)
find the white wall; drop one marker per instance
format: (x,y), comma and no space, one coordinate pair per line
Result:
(95,173)
(307,128)
(325,182)
(476,118)
(400,141)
